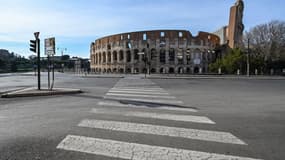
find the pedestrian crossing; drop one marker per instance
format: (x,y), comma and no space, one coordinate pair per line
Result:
(153,102)
(174,117)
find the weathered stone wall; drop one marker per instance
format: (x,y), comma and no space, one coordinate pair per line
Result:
(160,51)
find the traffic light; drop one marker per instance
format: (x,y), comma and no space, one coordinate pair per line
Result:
(33,46)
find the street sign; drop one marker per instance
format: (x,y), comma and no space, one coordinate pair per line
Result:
(50,46)
(37,35)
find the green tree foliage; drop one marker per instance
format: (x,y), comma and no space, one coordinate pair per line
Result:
(229,63)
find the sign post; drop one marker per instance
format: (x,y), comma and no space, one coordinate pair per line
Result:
(50,51)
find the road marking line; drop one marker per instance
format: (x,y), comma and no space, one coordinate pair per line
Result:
(204,135)
(138,92)
(3,117)
(135,151)
(138,89)
(117,104)
(163,116)
(145,100)
(140,95)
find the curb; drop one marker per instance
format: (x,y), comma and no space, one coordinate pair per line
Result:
(102,77)
(237,78)
(32,92)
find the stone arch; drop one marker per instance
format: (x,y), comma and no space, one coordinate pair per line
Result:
(109,56)
(129,70)
(136,55)
(100,57)
(104,57)
(128,56)
(171,70)
(162,70)
(121,55)
(162,56)
(121,70)
(109,70)
(104,70)
(153,70)
(115,58)
(196,70)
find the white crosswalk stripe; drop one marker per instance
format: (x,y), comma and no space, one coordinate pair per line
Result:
(117,104)
(140,95)
(222,137)
(133,92)
(145,100)
(139,92)
(138,89)
(163,116)
(135,151)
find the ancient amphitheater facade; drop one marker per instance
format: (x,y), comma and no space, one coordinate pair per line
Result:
(159,51)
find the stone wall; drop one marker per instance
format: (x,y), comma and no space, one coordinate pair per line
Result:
(160,51)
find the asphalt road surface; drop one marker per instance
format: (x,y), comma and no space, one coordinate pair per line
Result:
(153,119)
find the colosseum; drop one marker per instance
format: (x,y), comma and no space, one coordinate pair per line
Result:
(158,51)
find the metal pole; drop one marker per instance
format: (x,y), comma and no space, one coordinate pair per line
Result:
(52,73)
(39,63)
(145,66)
(48,72)
(247,59)
(62,60)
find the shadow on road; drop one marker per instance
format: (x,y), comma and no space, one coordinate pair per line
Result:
(133,103)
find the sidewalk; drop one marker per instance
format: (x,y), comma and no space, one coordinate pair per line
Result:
(253,77)
(32,92)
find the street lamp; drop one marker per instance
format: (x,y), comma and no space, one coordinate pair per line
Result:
(62,50)
(247,59)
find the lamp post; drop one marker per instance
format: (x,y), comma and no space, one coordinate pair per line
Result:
(62,50)
(247,59)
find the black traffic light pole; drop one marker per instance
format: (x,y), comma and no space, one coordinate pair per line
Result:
(35,47)
(39,63)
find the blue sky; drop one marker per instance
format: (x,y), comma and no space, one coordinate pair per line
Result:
(76,23)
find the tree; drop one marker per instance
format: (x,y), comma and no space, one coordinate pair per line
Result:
(65,57)
(230,63)
(267,39)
